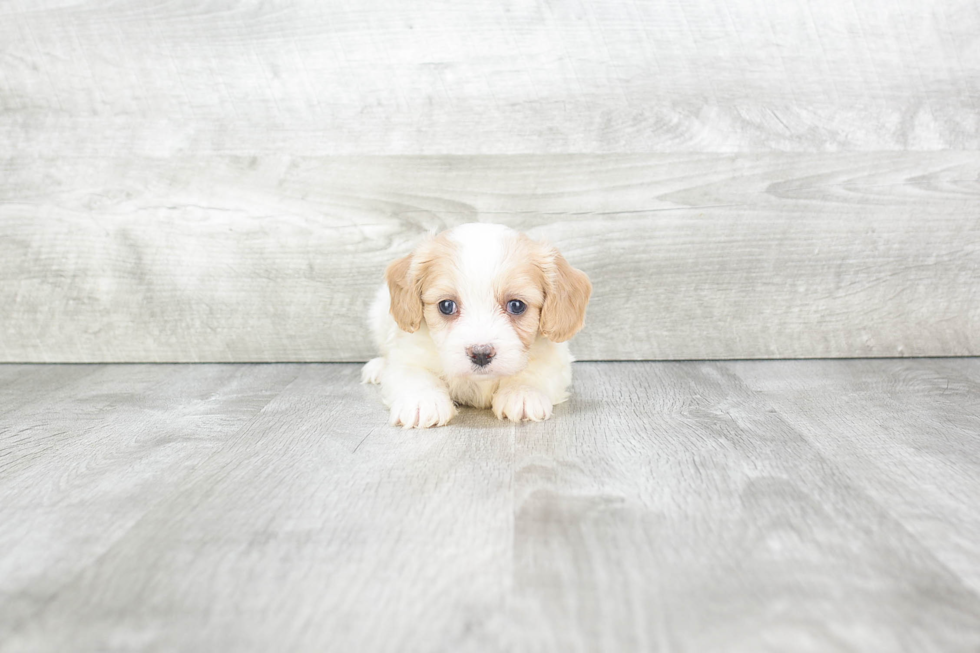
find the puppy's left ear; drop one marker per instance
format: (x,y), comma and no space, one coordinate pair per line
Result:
(406,302)
(566,295)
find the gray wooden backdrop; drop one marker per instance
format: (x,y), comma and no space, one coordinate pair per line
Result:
(225,181)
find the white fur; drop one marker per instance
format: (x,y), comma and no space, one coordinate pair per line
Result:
(423,374)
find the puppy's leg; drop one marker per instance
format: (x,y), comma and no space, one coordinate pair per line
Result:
(417,397)
(371,372)
(531,394)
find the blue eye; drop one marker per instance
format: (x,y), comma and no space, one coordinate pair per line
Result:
(516,307)
(447,307)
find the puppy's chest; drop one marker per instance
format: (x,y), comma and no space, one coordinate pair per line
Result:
(470,392)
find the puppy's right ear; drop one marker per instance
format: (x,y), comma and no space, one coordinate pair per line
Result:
(406,300)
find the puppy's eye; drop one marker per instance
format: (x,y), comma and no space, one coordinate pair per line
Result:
(516,307)
(447,307)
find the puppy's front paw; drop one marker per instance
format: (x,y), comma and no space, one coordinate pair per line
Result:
(520,403)
(422,410)
(371,372)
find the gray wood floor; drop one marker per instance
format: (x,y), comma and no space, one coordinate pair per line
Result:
(725,506)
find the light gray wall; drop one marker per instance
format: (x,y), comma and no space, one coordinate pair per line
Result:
(225,181)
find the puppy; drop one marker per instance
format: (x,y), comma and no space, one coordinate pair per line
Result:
(479,315)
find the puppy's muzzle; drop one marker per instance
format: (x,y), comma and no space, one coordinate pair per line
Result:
(481,355)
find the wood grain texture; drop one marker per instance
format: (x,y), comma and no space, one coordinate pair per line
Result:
(692,256)
(921,461)
(84,460)
(674,489)
(437,77)
(790,506)
(224,181)
(312,503)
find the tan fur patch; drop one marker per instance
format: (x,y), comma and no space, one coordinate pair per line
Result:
(426,269)
(523,278)
(567,293)
(406,307)
(438,279)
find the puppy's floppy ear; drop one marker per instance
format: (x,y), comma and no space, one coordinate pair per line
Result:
(566,294)
(406,300)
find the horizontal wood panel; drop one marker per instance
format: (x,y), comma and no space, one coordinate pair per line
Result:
(692,256)
(436,77)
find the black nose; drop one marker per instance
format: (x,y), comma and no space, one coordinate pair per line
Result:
(480,354)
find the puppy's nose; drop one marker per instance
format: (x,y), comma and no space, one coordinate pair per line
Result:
(481,354)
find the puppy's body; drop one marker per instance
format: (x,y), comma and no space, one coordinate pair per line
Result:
(515,303)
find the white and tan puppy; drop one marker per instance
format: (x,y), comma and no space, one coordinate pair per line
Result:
(478,315)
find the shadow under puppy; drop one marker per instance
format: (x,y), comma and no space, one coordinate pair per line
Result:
(479,315)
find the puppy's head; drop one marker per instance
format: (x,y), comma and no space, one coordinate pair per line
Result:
(486,292)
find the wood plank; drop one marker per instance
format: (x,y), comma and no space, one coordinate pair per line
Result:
(21,385)
(692,256)
(83,463)
(432,77)
(667,506)
(318,527)
(907,434)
